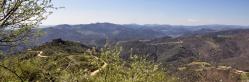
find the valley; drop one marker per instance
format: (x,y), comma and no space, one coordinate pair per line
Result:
(192,57)
(124,41)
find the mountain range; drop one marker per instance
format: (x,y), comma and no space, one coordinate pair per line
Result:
(98,34)
(209,53)
(205,53)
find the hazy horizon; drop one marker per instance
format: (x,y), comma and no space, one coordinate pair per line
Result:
(166,12)
(141,24)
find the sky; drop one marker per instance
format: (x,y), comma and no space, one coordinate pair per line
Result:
(173,12)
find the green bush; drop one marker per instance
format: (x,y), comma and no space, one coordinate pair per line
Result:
(135,69)
(76,67)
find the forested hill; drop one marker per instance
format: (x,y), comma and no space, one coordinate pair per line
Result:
(99,33)
(69,61)
(225,48)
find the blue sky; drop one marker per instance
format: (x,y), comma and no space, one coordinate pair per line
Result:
(174,12)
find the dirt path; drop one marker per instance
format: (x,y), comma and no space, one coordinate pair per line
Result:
(178,42)
(91,73)
(98,70)
(40,54)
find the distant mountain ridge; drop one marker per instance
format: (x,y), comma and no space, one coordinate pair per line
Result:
(206,53)
(100,33)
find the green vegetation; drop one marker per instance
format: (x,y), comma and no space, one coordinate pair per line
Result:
(134,70)
(199,66)
(63,64)
(194,71)
(244,76)
(19,17)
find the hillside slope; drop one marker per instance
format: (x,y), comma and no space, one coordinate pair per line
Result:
(98,34)
(224,48)
(60,61)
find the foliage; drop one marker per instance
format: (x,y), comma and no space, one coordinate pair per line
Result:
(74,66)
(19,17)
(244,76)
(135,69)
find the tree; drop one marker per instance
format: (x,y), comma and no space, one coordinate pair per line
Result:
(19,17)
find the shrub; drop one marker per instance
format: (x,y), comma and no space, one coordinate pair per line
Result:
(77,67)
